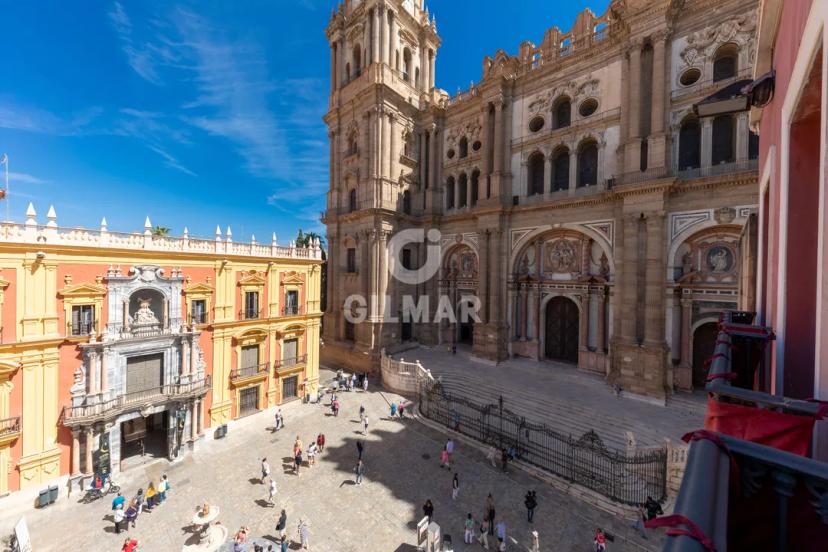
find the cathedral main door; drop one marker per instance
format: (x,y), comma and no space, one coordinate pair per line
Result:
(561,330)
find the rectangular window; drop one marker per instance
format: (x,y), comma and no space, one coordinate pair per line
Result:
(406,259)
(290,348)
(83,320)
(249,356)
(351,253)
(291,302)
(251,304)
(198,311)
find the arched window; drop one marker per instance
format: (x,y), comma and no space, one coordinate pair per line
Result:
(450,193)
(723,139)
(463,146)
(689,153)
(475,183)
(726,62)
(588,164)
(560,170)
(406,200)
(406,68)
(535,183)
(462,190)
(352,200)
(562,113)
(357,57)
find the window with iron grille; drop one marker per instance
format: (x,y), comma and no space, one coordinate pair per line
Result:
(83,319)
(198,311)
(251,304)
(292,302)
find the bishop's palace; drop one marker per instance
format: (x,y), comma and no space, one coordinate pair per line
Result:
(600,218)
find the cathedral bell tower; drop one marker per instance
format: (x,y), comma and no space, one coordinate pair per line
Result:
(382,75)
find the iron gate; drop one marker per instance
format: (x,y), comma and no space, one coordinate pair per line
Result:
(629,479)
(290,388)
(249,400)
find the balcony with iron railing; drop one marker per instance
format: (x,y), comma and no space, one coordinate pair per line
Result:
(198,318)
(249,372)
(290,363)
(81,329)
(9,429)
(293,310)
(95,410)
(250,314)
(124,332)
(749,483)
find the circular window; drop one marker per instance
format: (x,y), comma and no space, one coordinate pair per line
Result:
(476,145)
(536,124)
(691,76)
(450,154)
(588,107)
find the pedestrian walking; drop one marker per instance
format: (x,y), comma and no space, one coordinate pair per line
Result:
(320,442)
(504,460)
(312,450)
(139,500)
(297,462)
(361,412)
(304,534)
(531,502)
(130,545)
(653,508)
(365,383)
(131,514)
(271,491)
(455,486)
(490,512)
(265,470)
(640,519)
(284,545)
(491,456)
(280,422)
(600,541)
(501,545)
(393,410)
(535,542)
(500,530)
(401,410)
(444,458)
(450,448)
(360,449)
(365,425)
(163,487)
(428,509)
(150,494)
(360,471)
(281,524)
(119,516)
(118,501)
(468,530)
(353,380)
(336,408)
(483,539)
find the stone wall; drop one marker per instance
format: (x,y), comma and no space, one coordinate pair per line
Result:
(401,376)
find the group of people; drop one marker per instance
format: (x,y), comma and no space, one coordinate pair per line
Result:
(126,514)
(349,383)
(398,409)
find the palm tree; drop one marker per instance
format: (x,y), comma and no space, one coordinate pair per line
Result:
(304,240)
(160,231)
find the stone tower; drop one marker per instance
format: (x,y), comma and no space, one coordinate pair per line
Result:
(382,72)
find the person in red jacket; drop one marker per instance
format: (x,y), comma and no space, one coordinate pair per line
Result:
(130,545)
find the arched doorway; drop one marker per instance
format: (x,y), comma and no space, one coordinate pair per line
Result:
(561,330)
(704,341)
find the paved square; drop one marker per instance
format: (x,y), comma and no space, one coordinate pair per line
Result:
(378,516)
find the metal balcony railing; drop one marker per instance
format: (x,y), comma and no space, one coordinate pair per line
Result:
(743,165)
(292,310)
(9,426)
(81,329)
(198,318)
(250,314)
(288,363)
(249,371)
(101,410)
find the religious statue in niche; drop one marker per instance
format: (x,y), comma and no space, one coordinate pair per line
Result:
(720,259)
(686,263)
(467,264)
(562,256)
(144,314)
(604,268)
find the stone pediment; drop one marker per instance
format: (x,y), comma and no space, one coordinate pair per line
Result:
(83,290)
(252,279)
(198,288)
(293,278)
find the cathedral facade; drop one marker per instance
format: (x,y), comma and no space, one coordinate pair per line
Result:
(577,195)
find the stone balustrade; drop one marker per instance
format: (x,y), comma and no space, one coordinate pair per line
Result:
(30,232)
(401,376)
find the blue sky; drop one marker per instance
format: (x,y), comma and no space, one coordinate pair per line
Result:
(199,113)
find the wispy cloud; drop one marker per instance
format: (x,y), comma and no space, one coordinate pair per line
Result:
(16,116)
(171,161)
(24,178)
(138,56)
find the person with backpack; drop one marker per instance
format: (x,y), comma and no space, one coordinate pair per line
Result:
(531,502)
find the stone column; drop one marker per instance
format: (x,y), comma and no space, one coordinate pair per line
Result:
(431,69)
(524,314)
(375,35)
(485,137)
(384,149)
(547,174)
(125,324)
(635,91)
(742,136)
(654,317)
(384,42)
(659,78)
(498,138)
(75,452)
(583,323)
(90,437)
(573,170)
(392,39)
(373,269)
(515,311)
(483,276)
(200,416)
(628,273)
(468,192)
(104,374)
(194,355)
(365,263)
(600,337)
(706,142)
(393,153)
(383,269)
(166,312)
(193,420)
(333,69)
(434,159)
(185,357)
(341,67)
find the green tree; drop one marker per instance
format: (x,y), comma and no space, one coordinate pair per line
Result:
(304,240)
(160,231)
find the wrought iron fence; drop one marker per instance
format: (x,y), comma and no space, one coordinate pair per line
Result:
(626,478)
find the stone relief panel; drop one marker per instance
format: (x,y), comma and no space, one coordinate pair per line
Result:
(460,265)
(709,257)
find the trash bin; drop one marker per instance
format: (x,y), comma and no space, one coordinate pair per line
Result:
(43,498)
(53,494)
(221,431)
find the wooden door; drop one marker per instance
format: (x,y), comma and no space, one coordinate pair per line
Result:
(562,330)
